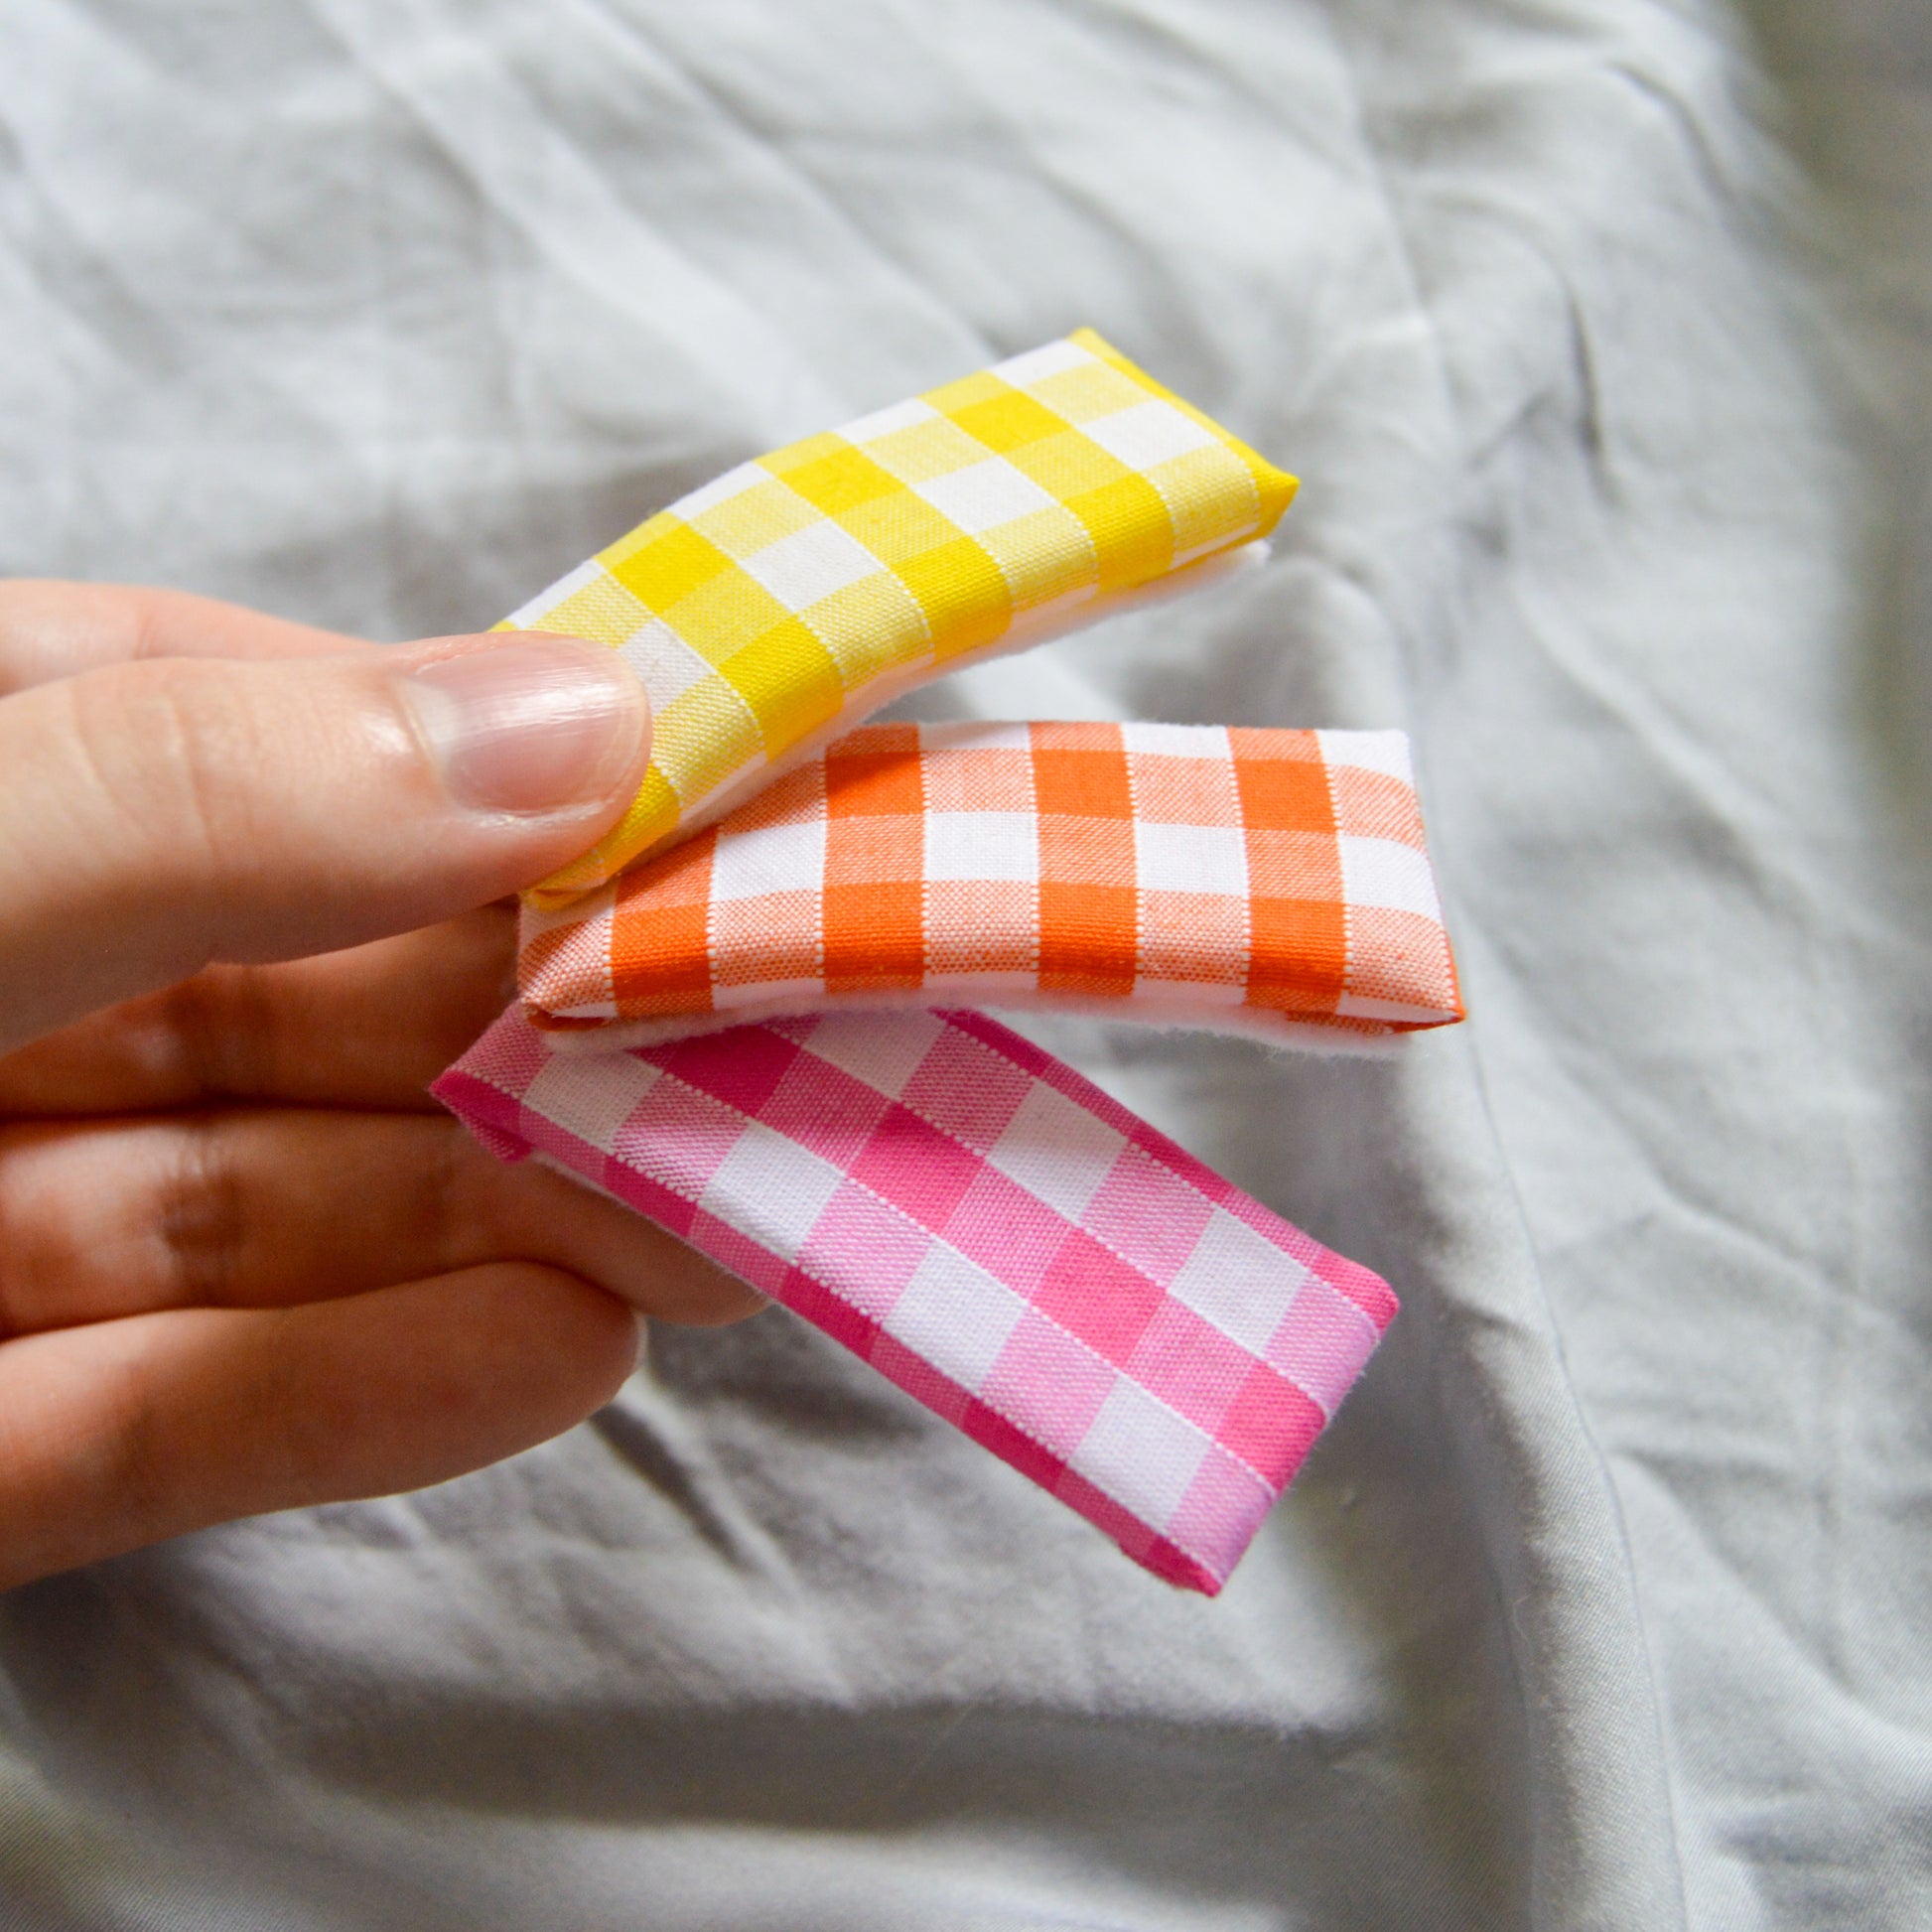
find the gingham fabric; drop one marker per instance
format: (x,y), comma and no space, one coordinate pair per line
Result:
(990,1231)
(777,606)
(1271,882)
(972,1218)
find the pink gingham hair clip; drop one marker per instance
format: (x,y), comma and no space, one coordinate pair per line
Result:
(991,1232)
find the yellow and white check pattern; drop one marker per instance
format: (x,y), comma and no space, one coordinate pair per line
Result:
(775,607)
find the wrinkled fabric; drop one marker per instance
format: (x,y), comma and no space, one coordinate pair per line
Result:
(1603,1604)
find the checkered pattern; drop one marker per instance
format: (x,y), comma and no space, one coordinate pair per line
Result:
(990,1231)
(780,603)
(1259,880)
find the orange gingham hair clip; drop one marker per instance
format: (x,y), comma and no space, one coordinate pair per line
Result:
(1274,882)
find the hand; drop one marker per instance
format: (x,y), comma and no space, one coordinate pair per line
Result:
(247,875)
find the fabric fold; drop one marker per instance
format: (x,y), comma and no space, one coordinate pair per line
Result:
(993,1233)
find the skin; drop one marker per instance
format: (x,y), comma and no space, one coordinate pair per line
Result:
(245,1263)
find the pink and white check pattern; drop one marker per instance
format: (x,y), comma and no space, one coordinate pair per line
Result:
(988,1229)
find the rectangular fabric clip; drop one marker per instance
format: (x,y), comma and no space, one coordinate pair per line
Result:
(1272,883)
(992,1232)
(779,605)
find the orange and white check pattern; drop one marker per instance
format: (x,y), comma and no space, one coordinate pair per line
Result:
(779,605)
(1257,881)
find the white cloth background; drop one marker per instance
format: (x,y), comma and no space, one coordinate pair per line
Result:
(1605,1603)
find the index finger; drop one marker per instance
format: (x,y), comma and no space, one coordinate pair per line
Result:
(50,629)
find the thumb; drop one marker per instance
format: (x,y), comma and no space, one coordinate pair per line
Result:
(161,815)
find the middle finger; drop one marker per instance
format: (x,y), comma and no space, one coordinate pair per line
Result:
(367,1027)
(272,1207)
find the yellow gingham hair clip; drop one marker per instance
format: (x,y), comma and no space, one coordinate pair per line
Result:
(772,609)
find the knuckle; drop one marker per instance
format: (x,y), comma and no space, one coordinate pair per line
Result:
(164,741)
(202,1220)
(441,1213)
(448,1197)
(221,1033)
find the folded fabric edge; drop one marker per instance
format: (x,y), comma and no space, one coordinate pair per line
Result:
(1029,634)
(1376,1040)
(1269,477)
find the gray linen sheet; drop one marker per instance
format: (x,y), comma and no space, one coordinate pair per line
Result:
(1598,329)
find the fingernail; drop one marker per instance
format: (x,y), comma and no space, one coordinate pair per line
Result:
(529,726)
